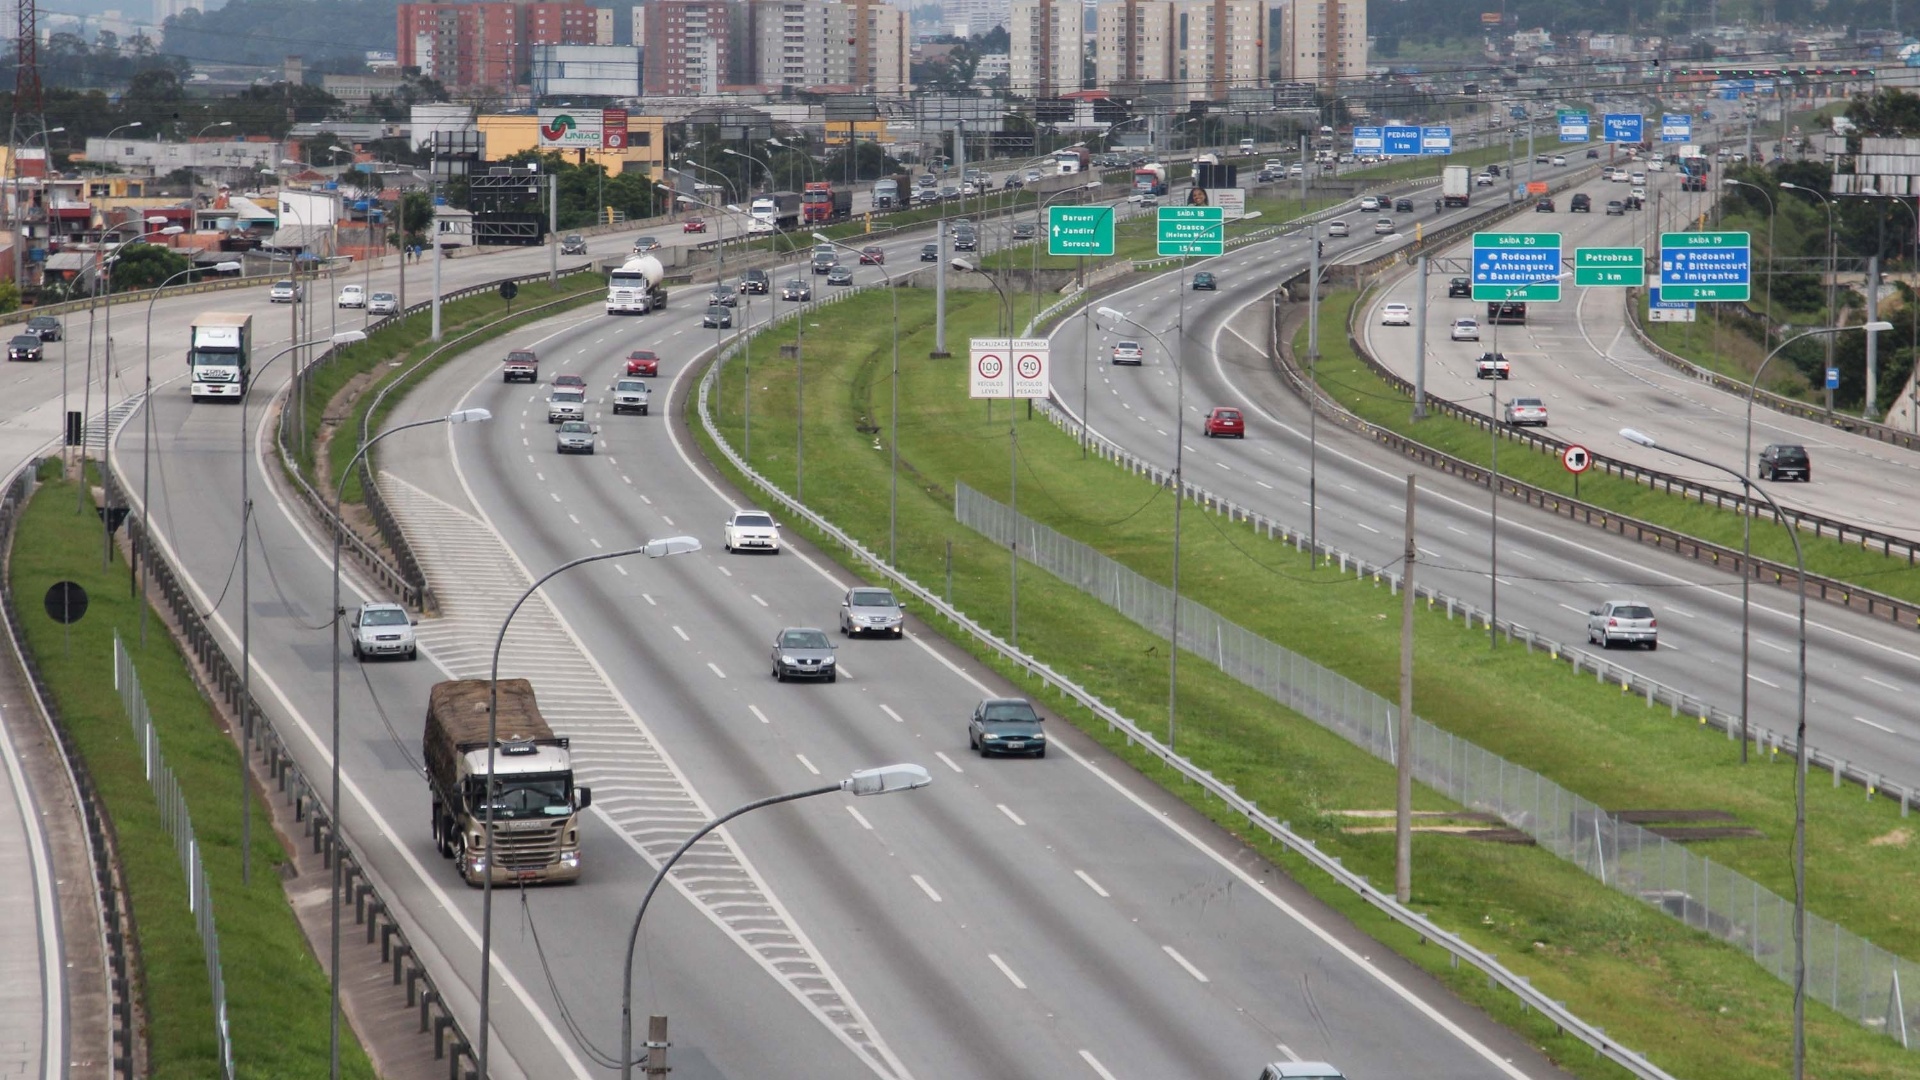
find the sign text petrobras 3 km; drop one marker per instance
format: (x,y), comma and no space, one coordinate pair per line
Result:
(1706,266)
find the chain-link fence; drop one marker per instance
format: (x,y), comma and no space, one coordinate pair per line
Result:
(1845,971)
(174,818)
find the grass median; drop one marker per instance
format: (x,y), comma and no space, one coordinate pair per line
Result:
(277,993)
(1701,1009)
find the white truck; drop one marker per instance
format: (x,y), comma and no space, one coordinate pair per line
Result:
(220,356)
(631,395)
(634,287)
(1456,184)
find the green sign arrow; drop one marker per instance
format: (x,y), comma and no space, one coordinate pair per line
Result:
(1080,230)
(1192,230)
(1623,267)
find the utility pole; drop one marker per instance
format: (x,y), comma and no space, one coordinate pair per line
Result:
(1420,343)
(657,1044)
(1403,736)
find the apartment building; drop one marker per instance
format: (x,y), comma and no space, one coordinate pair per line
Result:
(1323,41)
(690,46)
(1046,46)
(1202,48)
(487,44)
(858,45)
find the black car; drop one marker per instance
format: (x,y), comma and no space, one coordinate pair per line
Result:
(1205,280)
(724,296)
(1784,461)
(797,289)
(1024,231)
(24,347)
(1581,204)
(929,252)
(1006,726)
(1012,181)
(840,275)
(1459,288)
(1592,154)
(965,241)
(574,244)
(754,281)
(1635,202)
(45,327)
(824,264)
(1403,206)
(717,317)
(1544,206)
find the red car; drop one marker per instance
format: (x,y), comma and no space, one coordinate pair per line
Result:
(643,362)
(1225,423)
(872,256)
(694,224)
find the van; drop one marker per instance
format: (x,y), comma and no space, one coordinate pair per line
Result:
(1246,146)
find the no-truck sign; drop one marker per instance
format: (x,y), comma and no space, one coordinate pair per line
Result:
(1576,458)
(1008,368)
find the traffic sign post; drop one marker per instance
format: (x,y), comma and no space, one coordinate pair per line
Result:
(1080,230)
(1608,267)
(1577,459)
(1660,309)
(1574,127)
(1676,127)
(1192,230)
(1400,140)
(1008,368)
(1623,127)
(1516,267)
(1708,266)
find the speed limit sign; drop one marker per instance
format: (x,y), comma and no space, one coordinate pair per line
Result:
(1576,458)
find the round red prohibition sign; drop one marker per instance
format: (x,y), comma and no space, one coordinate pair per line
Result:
(616,140)
(1576,458)
(1027,367)
(991,366)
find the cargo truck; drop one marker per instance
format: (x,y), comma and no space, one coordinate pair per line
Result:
(1150,180)
(1071,160)
(634,288)
(536,807)
(220,356)
(892,192)
(821,204)
(778,211)
(1456,184)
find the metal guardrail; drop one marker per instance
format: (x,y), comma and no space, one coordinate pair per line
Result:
(1461,951)
(115,925)
(1892,436)
(370,908)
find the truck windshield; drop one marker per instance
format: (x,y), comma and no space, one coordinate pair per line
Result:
(523,796)
(629,280)
(213,358)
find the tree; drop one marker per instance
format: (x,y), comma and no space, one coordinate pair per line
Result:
(412,221)
(1891,113)
(9,297)
(145,266)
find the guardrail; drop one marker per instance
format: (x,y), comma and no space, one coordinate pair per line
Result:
(67,307)
(115,925)
(370,908)
(1598,1040)
(1892,436)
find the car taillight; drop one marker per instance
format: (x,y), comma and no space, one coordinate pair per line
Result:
(1653,624)
(1611,623)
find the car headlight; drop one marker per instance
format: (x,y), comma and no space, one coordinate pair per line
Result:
(785,659)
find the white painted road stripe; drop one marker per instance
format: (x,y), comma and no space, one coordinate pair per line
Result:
(1007,810)
(808,764)
(855,811)
(1184,962)
(926,888)
(1091,884)
(1007,971)
(897,718)
(755,710)
(950,763)
(1094,1064)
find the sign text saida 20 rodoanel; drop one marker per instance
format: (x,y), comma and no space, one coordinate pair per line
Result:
(1007,368)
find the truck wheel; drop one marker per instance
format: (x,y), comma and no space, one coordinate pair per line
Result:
(440,843)
(460,859)
(643,410)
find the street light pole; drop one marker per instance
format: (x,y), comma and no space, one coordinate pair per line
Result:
(884,780)
(462,416)
(1833,271)
(1799,754)
(652,549)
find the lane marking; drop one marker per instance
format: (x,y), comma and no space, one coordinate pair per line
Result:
(715,668)
(1092,884)
(949,762)
(682,633)
(1094,1064)
(1762,681)
(1007,971)
(926,888)
(755,710)
(897,718)
(1198,975)
(1011,816)
(1876,727)
(808,764)
(622,569)
(757,600)
(855,811)
(1884,685)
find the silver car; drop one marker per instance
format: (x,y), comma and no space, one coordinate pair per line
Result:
(802,652)
(574,437)
(1628,621)
(383,303)
(871,611)
(381,629)
(566,403)
(286,292)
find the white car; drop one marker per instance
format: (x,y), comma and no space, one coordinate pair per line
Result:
(1637,178)
(1396,315)
(353,296)
(1483,180)
(1370,204)
(381,629)
(1338,228)
(1638,193)
(1465,330)
(751,530)
(1527,410)
(1129,352)
(566,403)
(1620,176)
(286,292)
(1492,366)
(1627,621)
(383,303)
(1560,160)
(1656,165)
(1383,225)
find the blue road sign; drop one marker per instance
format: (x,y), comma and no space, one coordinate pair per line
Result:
(1436,140)
(1573,127)
(1516,266)
(1833,378)
(1623,127)
(1676,127)
(1706,265)
(1366,140)
(1401,140)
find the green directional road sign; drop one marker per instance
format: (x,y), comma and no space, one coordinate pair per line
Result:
(1518,267)
(1079,230)
(1625,267)
(1192,230)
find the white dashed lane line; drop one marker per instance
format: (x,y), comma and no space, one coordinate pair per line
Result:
(926,888)
(810,765)
(715,668)
(947,761)
(755,710)
(1091,884)
(1011,816)
(857,816)
(897,718)
(682,633)
(1185,963)
(1007,971)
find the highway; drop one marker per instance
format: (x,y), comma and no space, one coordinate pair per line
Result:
(1000,923)
(1862,671)
(1595,376)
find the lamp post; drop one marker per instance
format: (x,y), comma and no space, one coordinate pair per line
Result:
(1799,752)
(1833,271)
(756,159)
(1914,309)
(884,780)
(652,549)
(104,275)
(725,181)
(462,416)
(893,477)
(1493,482)
(1765,194)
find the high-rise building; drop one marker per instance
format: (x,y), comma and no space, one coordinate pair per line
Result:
(690,46)
(1323,41)
(860,45)
(487,44)
(1202,48)
(969,17)
(1133,42)
(1045,47)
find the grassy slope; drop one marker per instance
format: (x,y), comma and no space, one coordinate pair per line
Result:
(276,989)
(1699,1008)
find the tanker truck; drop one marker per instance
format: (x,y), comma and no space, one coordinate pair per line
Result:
(536,807)
(634,287)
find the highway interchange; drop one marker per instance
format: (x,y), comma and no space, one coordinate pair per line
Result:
(1002,922)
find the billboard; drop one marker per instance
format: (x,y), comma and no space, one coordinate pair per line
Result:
(613,129)
(570,129)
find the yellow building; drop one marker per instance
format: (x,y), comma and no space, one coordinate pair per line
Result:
(873,131)
(646,142)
